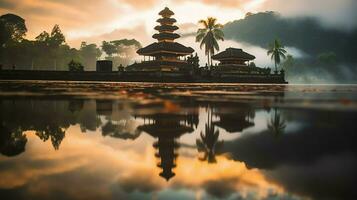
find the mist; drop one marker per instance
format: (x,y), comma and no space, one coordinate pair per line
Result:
(335,14)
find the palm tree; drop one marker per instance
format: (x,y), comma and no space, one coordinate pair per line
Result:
(277,51)
(277,124)
(208,143)
(208,36)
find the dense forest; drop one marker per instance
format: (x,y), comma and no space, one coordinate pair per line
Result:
(49,51)
(330,53)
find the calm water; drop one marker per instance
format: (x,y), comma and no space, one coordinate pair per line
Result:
(73,140)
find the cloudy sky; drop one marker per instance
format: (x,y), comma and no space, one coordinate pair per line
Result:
(95,20)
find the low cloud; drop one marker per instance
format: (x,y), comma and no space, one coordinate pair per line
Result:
(138,32)
(331,13)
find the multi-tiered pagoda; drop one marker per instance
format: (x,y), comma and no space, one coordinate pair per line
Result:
(167,128)
(165,55)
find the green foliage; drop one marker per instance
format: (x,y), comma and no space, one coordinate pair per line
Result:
(303,33)
(277,52)
(126,42)
(327,58)
(208,36)
(109,48)
(74,66)
(12,28)
(43,37)
(57,38)
(288,62)
(121,52)
(89,54)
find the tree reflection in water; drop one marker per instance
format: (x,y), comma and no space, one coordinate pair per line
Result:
(208,143)
(11,143)
(277,124)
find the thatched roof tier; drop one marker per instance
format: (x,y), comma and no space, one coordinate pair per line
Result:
(166,36)
(167,174)
(166,28)
(233,54)
(156,130)
(234,126)
(166,20)
(165,47)
(166,12)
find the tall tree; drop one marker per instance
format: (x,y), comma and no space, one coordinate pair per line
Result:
(89,54)
(43,37)
(57,38)
(12,28)
(121,51)
(208,36)
(109,48)
(277,52)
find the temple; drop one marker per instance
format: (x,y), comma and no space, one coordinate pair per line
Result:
(236,61)
(237,121)
(165,54)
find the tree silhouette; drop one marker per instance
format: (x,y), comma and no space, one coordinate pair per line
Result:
(55,133)
(74,66)
(12,28)
(208,36)
(277,52)
(120,130)
(208,143)
(57,38)
(276,125)
(12,143)
(109,48)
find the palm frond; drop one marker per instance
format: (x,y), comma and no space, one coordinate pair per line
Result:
(204,23)
(215,45)
(218,34)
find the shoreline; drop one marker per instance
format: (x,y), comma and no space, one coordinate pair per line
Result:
(140,77)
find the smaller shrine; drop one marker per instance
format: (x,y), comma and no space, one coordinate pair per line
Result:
(236,61)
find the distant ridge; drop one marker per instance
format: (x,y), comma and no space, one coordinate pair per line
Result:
(303,33)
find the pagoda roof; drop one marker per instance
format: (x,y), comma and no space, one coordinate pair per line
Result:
(166,20)
(166,28)
(160,131)
(172,47)
(167,175)
(233,53)
(162,36)
(234,126)
(166,11)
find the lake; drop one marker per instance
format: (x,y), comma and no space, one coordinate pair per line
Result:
(96,140)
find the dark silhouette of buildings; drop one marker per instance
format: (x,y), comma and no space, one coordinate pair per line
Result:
(236,61)
(166,54)
(236,121)
(167,128)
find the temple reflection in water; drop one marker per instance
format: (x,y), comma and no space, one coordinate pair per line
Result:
(166,122)
(222,148)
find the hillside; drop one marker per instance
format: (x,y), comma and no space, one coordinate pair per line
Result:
(303,33)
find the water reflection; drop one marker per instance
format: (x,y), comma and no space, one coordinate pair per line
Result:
(187,148)
(276,124)
(208,142)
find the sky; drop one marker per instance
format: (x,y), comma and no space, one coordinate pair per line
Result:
(94,21)
(97,20)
